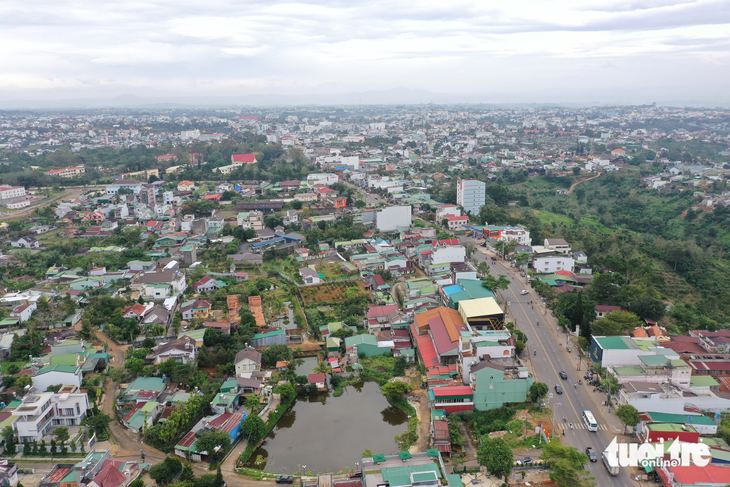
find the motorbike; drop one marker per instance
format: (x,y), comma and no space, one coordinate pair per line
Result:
(535,353)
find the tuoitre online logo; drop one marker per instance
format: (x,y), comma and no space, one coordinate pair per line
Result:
(653,454)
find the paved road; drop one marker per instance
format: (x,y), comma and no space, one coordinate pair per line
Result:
(551,358)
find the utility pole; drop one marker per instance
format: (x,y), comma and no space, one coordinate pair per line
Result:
(555,408)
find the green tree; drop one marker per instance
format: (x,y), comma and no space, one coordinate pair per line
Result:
(567,465)
(538,390)
(493,283)
(367,453)
(628,415)
(496,455)
(219,482)
(483,269)
(215,443)
(99,422)
(61,434)
(137,483)
(616,323)
(287,391)
(276,353)
(253,429)
(187,473)
(394,390)
(360,204)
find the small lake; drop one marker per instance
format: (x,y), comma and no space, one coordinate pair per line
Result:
(308,366)
(328,434)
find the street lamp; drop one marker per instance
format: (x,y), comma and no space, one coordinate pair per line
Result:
(301,474)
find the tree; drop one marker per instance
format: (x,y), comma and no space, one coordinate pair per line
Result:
(616,323)
(496,456)
(360,204)
(137,483)
(165,471)
(287,391)
(538,390)
(219,482)
(187,473)
(493,283)
(628,415)
(367,453)
(253,429)
(567,465)
(61,434)
(276,353)
(215,443)
(394,390)
(98,422)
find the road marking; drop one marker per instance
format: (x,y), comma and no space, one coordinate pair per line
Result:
(542,345)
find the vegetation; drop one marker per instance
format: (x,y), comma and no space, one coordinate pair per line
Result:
(628,415)
(567,465)
(496,455)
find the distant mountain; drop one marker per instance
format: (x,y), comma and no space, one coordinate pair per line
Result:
(394,96)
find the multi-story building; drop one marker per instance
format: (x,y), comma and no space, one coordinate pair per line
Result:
(68,172)
(11,194)
(40,412)
(470,194)
(132,185)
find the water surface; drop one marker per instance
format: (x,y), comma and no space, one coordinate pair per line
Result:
(328,434)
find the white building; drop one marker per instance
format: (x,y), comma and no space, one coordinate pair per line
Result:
(444,211)
(470,194)
(389,219)
(548,262)
(518,234)
(68,172)
(558,245)
(11,193)
(326,179)
(448,255)
(40,412)
(53,375)
(130,184)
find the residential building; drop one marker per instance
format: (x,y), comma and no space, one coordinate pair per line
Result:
(452,399)
(551,261)
(68,172)
(470,194)
(239,159)
(247,361)
(53,375)
(40,412)
(495,384)
(181,350)
(391,218)
(558,245)
(309,276)
(366,344)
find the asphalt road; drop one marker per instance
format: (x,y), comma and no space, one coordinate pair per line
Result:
(552,357)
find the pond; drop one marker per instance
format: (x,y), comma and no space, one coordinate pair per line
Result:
(329,434)
(308,366)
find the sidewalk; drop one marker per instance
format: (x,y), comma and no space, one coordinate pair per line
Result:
(597,398)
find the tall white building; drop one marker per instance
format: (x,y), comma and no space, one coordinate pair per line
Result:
(470,194)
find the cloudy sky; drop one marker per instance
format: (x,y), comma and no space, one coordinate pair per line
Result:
(521,51)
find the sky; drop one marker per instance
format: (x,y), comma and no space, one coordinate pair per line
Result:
(515,51)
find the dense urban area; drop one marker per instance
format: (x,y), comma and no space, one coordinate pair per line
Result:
(364,296)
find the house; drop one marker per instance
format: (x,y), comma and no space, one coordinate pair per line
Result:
(157,315)
(23,312)
(195,309)
(452,399)
(206,284)
(495,384)
(39,412)
(309,276)
(239,159)
(269,337)
(444,325)
(142,416)
(52,375)
(454,222)
(291,217)
(181,350)
(558,245)
(222,327)
(116,473)
(247,361)
(319,380)
(185,186)
(367,345)
(602,310)
(25,243)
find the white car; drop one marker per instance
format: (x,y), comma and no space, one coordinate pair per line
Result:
(523,292)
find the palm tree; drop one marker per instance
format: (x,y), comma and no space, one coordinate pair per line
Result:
(322,368)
